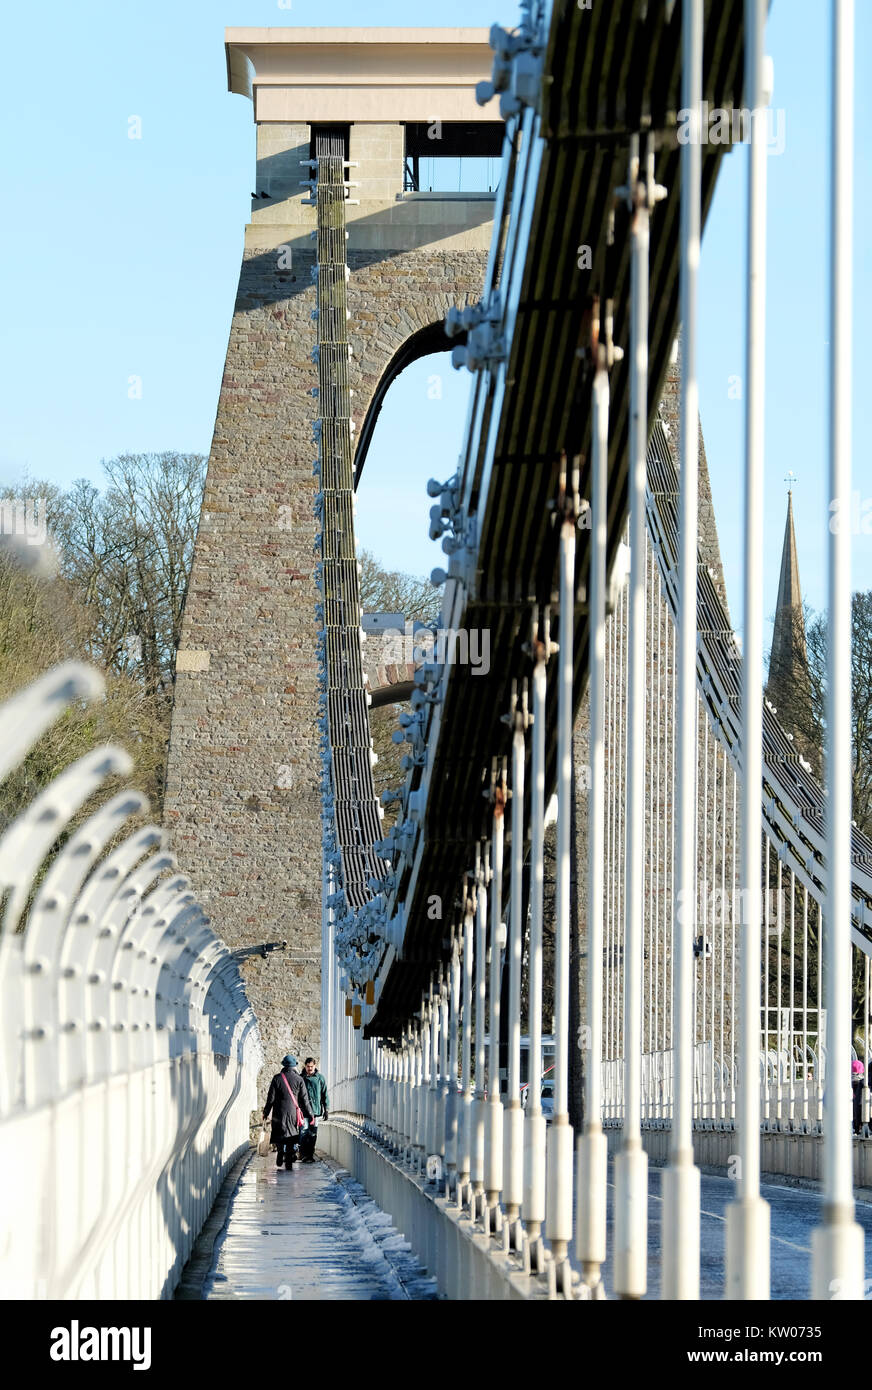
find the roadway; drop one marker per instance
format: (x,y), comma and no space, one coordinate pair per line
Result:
(795,1211)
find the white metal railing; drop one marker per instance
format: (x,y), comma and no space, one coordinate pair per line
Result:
(791,980)
(790,1095)
(129,1051)
(716,907)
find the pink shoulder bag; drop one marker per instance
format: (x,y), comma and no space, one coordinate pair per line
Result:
(299,1117)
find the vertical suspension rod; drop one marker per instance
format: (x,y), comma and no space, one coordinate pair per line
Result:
(513,1120)
(494,1127)
(682,1176)
(559,1141)
(631,1164)
(837,1244)
(533,1206)
(592,1149)
(681,1181)
(479,1104)
(465,1117)
(747,1232)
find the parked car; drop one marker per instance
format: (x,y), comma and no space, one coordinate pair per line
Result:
(546,1098)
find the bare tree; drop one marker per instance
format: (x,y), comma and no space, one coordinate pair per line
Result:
(802,711)
(41,623)
(793,687)
(861,697)
(124,558)
(128,551)
(391,591)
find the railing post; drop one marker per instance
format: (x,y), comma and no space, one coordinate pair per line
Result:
(681,1181)
(479,1104)
(435,1133)
(533,1206)
(747,1244)
(592,1158)
(493,1175)
(405,1097)
(837,1244)
(394,1105)
(558,1224)
(422,1080)
(513,1135)
(450,1077)
(631,1164)
(464,1122)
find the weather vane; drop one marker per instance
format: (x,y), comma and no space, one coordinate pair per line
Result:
(790,480)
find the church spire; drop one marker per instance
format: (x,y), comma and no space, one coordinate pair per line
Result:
(789,687)
(788,640)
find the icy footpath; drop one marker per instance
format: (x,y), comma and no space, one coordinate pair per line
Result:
(310,1235)
(380,1245)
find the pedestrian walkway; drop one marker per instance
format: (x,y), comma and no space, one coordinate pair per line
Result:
(311,1234)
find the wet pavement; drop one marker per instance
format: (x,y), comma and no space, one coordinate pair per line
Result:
(311,1234)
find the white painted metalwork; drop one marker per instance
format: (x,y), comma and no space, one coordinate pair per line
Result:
(464,1123)
(700,836)
(681,1186)
(493,1168)
(130,1051)
(748,1217)
(838,1242)
(450,1071)
(560,1138)
(533,1208)
(631,1164)
(513,1119)
(479,1105)
(592,1146)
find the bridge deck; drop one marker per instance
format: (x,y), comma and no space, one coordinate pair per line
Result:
(309,1235)
(314,1235)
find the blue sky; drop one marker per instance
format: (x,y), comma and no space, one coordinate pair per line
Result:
(122,258)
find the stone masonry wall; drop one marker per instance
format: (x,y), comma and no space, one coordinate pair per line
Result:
(242,802)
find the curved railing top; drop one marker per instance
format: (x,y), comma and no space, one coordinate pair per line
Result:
(107,963)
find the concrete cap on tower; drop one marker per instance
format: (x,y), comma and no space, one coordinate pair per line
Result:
(351,75)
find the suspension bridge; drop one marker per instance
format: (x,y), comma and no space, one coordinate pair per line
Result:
(698,984)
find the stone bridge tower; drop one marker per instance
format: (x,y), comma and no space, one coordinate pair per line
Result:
(242,798)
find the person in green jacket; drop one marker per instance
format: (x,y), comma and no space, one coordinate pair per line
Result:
(317,1088)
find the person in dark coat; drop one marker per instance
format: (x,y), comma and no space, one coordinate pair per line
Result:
(857,1095)
(287,1091)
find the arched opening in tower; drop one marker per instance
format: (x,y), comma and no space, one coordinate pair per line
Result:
(411,432)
